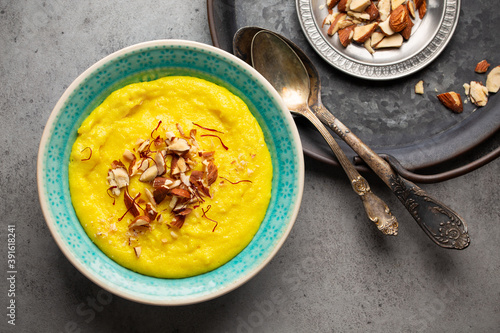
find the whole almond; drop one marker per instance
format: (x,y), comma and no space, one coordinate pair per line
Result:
(399,18)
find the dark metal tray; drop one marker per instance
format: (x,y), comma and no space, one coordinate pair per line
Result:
(415,129)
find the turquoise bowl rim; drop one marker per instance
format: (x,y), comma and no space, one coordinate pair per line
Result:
(57,139)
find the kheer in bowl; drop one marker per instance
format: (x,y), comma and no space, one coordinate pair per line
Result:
(170,172)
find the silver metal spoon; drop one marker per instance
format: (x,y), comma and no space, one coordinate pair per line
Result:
(443,226)
(292,83)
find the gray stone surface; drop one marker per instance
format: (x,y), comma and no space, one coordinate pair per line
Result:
(335,273)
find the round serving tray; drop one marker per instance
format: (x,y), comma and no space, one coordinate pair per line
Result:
(387,115)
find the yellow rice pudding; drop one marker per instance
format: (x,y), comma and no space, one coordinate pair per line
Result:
(171,178)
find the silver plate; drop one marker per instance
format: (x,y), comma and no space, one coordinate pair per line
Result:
(429,37)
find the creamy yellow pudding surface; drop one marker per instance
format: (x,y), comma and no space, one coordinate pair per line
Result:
(216,184)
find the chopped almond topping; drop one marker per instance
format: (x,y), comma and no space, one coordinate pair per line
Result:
(162,181)
(178,165)
(179,192)
(179,146)
(178,221)
(151,197)
(140,221)
(160,193)
(128,155)
(186,187)
(207,154)
(142,164)
(150,174)
(160,163)
(212,173)
(137,251)
(131,205)
(150,211)
(143,146)
(179,128)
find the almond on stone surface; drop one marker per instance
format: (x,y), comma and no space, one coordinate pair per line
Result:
(419,87)
(478,93)
(452,101)
(493,80)
(482,67)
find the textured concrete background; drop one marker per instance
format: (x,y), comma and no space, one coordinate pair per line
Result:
(335,273)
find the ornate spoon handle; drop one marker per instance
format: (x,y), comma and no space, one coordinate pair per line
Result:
(376,209)
(444,227)
(440,223)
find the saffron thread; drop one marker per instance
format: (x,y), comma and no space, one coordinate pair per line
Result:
(208,129)
(156,128)
(234,183)
(205,216)
(222,143)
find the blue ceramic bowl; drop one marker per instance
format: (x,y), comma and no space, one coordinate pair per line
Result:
(145,62)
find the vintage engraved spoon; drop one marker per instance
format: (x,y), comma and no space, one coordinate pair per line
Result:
(292,83)
(445,227)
